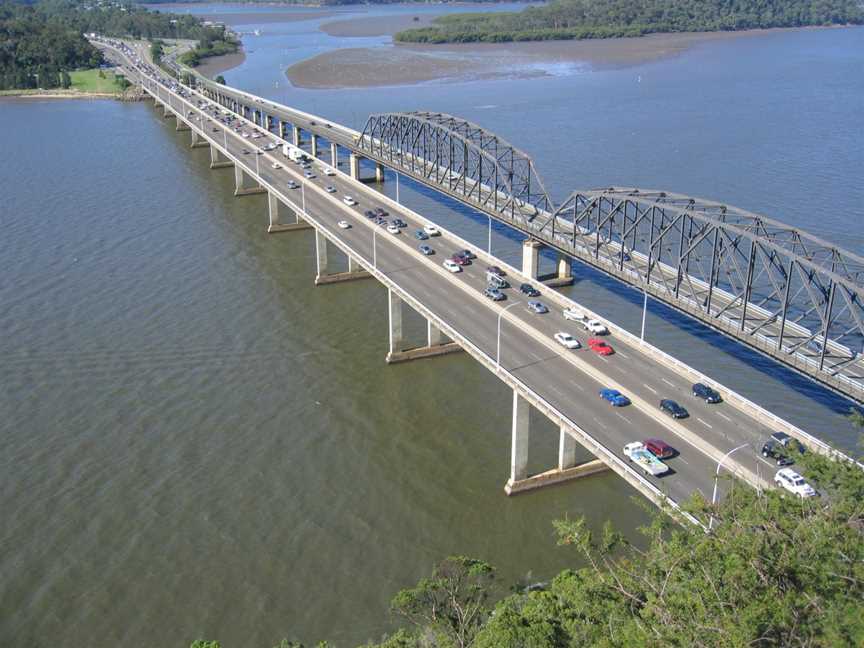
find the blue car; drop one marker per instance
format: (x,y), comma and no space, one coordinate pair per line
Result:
(420,235)
(615,397)
(425,249)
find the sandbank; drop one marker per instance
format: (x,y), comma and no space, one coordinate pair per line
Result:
(214,65)
(377,25)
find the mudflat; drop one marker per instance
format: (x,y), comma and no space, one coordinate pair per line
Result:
(407,64)
(377,25)
(214,65)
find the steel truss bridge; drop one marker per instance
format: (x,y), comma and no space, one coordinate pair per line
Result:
(782,291)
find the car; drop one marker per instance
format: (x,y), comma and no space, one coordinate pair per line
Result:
(600,347)
(246,135)
(292,185)
(529,290)
(344,224)
(393,229)
(788,442)
(420,235)
(494,269)
(494,294)
(259,152)
(567,340)
(329,172)
(216,130)
(431,230)
(461,256)
(673,409)
(426,250)
(309,174)
(706,393)
(642,457)
(574,315)
(468,254)
(369,214)
(771,449)
(659,448)
(615,397)
(595,327)
(276,165)
(398,222)
(381,212)
(791,481)
(781,437)
(537,307)
(452,267)
(348,200)
(245,151)
(330,189)
(459,260)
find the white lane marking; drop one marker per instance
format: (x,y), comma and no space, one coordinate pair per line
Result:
(598,422)
(649,388)
(708,425)
(721,415)
(684,461)
(578,386)
(671,384)
(621,416)
(620,354)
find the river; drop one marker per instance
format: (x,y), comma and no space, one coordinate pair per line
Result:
(197,442)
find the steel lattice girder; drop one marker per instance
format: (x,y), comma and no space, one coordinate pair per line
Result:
(461,158)
(771,280)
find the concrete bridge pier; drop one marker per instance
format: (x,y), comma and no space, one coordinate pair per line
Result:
(562,276)
(182,125)
(334,155)
(531,258)
(379,172)
(245,184)
(167,113)
(198,141)
(435,344)
(218,160)
(324,277)
(281,216)
(298,135)
(282,129)
(314,140)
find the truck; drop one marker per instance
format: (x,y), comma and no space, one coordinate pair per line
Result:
(292,152)
(639,454)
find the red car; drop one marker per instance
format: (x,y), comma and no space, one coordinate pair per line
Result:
(600,347)
(459,260)
(659,449)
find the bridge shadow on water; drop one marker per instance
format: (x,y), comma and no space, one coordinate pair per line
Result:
(583,273)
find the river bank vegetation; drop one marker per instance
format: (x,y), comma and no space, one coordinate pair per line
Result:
(775,571)
(583,19)
(43,40)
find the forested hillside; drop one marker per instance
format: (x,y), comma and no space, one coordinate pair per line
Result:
(578,19)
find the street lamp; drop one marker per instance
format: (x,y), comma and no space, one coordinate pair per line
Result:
(644,312)
(489,241)
(397,186)
(717,477)
(498,345)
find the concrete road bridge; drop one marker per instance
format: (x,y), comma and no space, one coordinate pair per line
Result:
(514,344)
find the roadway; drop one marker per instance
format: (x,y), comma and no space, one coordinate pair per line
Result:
(569,380)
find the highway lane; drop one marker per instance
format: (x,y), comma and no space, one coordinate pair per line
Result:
(531,356)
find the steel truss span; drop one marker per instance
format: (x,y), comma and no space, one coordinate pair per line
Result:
(782,291)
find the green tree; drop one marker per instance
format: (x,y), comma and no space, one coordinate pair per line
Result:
(65,79)
(220,79)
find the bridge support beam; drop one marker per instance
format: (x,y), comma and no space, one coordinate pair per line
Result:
(531,258)
(435,346)
(379,172)
(218,160)
(198,141)
(298,136)
(354,166)
(182,125)
(167,113)
(279,212)
(563,275)
(314,145)
(282,129)
(324,277)
(245,184)
(334,155)
(394,316)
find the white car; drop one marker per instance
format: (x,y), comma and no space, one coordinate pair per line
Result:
(639,454)
(246,135)
(574,315)
(330,189)
(329,172)
(567,340)
(794,483)
(431,230)
(393,229)
(344,224)
(348,200)
(596,327)
(276,165)
(451,266)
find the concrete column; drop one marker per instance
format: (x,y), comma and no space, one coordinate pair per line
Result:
(531,258)
(320,253)
(218,159)
(182,125)
(566,451)
(379,172)
(314,145)
(334,155)
(433,334)
(282,217)
(244,184)
(353,266)
(298,139)
(354,166)
(167,112)
(519,438)
(564,267)
(197,140)
(395,310)
(282,129)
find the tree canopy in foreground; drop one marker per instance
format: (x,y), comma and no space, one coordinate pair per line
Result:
(580,19)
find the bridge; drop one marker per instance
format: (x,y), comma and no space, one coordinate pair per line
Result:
(514,344)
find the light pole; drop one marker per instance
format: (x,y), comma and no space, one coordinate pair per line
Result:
(717,477)
(489,241)
(397,186)
(644,311)
(498,346)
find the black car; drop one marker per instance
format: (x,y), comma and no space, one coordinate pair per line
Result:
(776,451)
(529,290)
(466,260)
(673,409)
(706,393)
(788,442)
(495,270)
(468,254)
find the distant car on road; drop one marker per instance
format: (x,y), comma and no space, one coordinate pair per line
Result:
(426,250)
(494,294)
(615,397)
(431,230)
(791,481)
(459,260)
(595,327)
(393,229)
(329,172)
(309,174)
(673,409)
(650,464)
(344,224)
(659,449)
(567,340)
(528,289)
(452,267)
(398,222)
(275,165)
(348,200)
(420,235)
(330,189)
(600,347)
(771,449)
(537,307)
(574,315)
(468,254)
(292,185)
(706,393)
(494,269)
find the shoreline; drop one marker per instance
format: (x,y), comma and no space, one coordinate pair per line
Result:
(58,94)
(213,66)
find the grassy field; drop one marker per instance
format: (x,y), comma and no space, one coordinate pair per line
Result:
(90,81)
